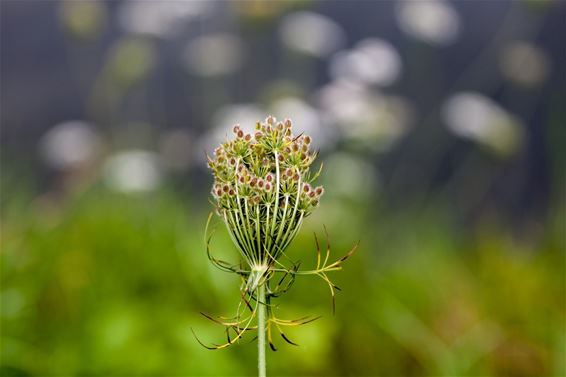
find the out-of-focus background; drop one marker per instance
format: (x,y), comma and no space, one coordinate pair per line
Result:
(441,125)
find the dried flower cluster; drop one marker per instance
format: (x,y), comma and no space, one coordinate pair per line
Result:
(263,188)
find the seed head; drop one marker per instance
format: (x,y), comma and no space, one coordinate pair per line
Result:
(262,188)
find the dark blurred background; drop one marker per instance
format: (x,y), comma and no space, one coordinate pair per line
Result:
(441,125)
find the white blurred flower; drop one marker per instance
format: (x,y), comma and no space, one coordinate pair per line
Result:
(432,21)
(133,171)
(345,101)
(305,119)
(311,33)
(214,54)
(350,176)
(372,61)
(372,120)
(524,63)
(159,18)
(223,121)
(69,145)
(246,115)
(476,117)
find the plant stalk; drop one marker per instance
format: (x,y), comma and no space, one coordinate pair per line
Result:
(261,331)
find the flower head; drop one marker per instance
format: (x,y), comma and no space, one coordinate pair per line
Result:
(262,188)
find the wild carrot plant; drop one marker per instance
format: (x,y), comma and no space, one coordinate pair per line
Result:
(263,190)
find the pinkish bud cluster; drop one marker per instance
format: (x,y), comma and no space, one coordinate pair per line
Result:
(245,167)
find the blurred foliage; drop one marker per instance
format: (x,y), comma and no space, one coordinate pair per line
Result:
(83,19)
(101,283)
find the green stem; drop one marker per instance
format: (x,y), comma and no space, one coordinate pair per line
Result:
(261,331)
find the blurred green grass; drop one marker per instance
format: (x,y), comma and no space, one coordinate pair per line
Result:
(100,283)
